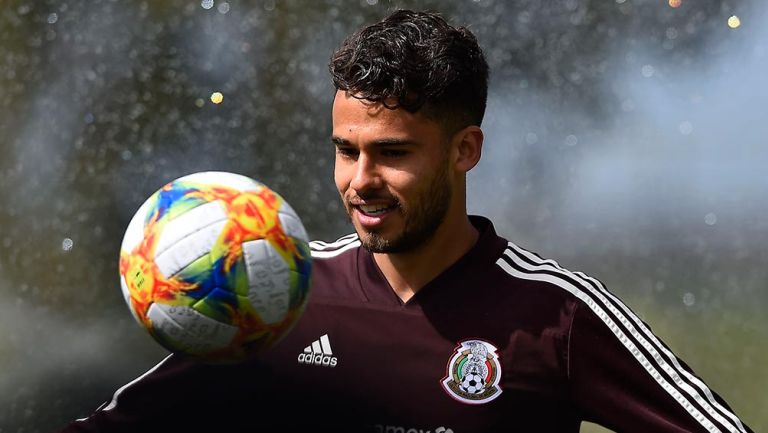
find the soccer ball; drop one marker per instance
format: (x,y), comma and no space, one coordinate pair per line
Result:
(472,383)
(216,265)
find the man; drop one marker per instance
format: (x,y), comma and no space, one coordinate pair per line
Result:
(425,319)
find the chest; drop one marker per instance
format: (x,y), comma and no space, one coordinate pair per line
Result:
(391,368)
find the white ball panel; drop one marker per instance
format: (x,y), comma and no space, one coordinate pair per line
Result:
(268,279)
(134,233)
(127,297)
(187,250)
(189,329)
(231,180)
(190,222)
(292,226)
(287,208)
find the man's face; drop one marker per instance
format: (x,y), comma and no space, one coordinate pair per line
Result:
(392,172)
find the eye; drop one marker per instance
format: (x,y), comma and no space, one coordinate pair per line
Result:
(347,152)
(393,153)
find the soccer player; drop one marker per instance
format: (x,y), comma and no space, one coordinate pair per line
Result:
(424,319)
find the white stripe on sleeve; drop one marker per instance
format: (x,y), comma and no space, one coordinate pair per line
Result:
(640,333)
(112,404)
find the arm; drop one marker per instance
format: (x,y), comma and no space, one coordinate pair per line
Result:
(624,378)
(179,394)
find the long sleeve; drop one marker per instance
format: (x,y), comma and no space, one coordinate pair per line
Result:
(624,378)
(181,395)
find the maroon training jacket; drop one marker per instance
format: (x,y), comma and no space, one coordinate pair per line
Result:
(502,341)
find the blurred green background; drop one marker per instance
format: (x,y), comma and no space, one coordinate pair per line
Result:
(624,138)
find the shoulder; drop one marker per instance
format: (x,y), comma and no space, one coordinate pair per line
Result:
(335,273)
(588,292)
(592,307)
(510,276)
(327,250)
(521,265)
(537,292)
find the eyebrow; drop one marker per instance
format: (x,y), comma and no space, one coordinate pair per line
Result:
(384,142)
(338,141)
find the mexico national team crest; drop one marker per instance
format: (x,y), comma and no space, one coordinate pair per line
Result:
(473,373)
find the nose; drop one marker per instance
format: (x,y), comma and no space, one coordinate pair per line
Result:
(366,176)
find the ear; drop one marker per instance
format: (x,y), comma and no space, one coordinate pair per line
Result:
(468,147)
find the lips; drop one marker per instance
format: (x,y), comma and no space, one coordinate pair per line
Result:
(372,214)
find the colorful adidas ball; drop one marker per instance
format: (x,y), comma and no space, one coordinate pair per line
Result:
(216,265)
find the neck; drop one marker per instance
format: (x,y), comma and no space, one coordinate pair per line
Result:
(408,272)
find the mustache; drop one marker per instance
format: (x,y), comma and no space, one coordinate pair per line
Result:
(366,197)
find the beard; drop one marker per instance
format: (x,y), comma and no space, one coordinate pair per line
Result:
(423,216)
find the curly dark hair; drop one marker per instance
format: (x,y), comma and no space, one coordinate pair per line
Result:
(417,61)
